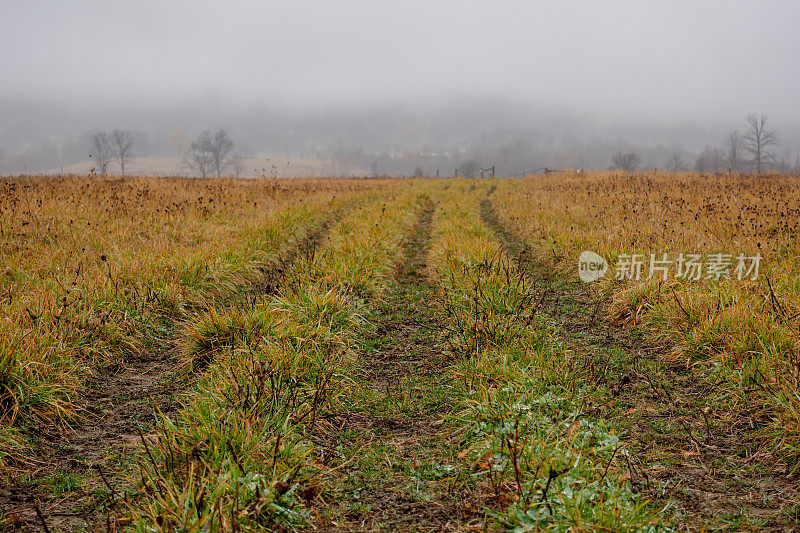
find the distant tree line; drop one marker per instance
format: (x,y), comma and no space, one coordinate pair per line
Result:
(739,151)
(211,153)
(749,149)
(513,151)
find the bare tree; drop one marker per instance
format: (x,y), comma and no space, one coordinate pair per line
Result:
(734,147)
(211,151)
(199,157)
(101,151)
(221,148)
(758,139)
(469,168)
(627,161)
(675,161)
(709,160)
(237,164)
(122,147)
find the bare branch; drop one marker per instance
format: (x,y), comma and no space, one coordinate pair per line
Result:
(122,147)
(758,139)
(101,151)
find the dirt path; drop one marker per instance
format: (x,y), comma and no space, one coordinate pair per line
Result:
(64,469)
(699,456)
(395,435)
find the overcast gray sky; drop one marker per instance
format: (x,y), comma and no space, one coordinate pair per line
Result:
(645,58)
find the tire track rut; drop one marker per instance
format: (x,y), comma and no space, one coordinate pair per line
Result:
(690,454)
(405,365)
(119,400)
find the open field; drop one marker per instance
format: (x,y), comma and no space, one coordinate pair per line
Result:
(262,165)
(217,355)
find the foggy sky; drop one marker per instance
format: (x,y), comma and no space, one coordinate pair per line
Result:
(513,83)
(678,59)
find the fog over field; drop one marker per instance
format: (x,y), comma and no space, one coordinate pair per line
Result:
(361,87)
(368,265)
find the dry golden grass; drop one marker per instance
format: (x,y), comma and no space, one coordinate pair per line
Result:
(400,310)
(743,331)
(92,269)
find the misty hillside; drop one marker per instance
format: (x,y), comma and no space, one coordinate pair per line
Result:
(350,140)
